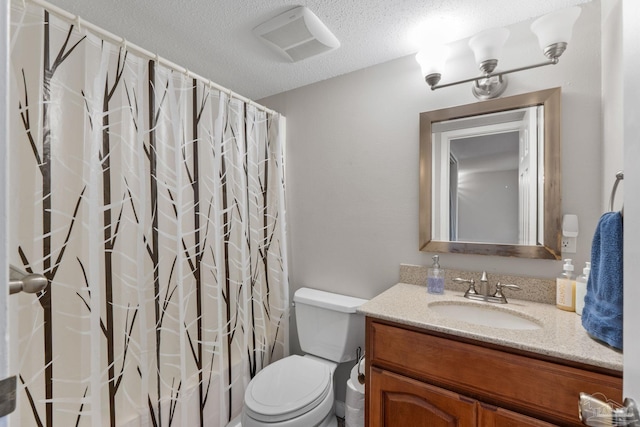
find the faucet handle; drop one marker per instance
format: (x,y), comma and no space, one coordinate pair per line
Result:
(500,286)
(472,285)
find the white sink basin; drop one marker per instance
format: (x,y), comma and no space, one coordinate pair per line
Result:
(493,316)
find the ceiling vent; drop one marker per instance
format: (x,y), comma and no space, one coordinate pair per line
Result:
(298,34)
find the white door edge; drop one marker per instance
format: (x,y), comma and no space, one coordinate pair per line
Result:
(4,197)
(631,105)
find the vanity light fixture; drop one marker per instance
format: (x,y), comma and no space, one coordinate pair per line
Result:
(552,30)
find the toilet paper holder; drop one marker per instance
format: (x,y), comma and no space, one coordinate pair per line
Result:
(359,357)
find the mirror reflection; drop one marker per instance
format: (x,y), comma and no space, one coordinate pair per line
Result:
(486,180)
(490,177)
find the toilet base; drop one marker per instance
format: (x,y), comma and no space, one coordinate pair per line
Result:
(236,422)
(330,421)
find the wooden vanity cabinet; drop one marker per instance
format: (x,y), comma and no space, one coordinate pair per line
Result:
(417,378)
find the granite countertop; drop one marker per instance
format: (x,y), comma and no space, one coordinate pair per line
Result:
(561,334)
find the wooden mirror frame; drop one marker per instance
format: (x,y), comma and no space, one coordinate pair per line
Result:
(551,99)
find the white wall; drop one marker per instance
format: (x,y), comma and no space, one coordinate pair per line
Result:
(631,107)
(352,162)
(621,151)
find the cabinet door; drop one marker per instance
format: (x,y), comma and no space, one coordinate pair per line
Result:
(490,416)
(398,401)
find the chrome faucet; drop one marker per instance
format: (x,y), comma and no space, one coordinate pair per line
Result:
(498,293)
(472,286)
(497,297)
(484,284)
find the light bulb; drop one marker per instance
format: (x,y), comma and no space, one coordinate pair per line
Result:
(487,47)
(554,30)
(432,59)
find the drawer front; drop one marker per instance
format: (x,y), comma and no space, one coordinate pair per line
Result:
(539,388)
(499,417)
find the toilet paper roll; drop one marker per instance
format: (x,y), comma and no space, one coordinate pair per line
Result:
(354,376)
(353,398)
(353,417)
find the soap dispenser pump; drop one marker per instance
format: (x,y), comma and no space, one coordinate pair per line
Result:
(435,277)
(581,287)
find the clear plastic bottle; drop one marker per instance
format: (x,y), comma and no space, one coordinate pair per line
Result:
(435,277)
(581,287)
(566,288)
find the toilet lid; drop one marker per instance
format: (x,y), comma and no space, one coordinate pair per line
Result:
(287,389)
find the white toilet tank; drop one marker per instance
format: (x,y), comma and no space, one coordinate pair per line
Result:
(328,325)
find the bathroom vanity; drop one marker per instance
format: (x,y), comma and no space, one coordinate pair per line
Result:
(427,369)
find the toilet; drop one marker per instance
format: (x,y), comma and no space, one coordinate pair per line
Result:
(297,391)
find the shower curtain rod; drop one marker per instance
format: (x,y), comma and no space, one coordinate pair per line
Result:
(76,20)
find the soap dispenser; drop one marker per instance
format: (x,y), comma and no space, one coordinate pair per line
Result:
(435,277)
(566,288)
(581,287)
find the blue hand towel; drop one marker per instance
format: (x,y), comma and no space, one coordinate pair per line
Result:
(602,313)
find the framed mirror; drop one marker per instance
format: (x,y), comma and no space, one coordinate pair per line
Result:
(490,179)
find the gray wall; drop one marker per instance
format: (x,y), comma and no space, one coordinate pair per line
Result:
(352,162)
(612,111)
(487,208)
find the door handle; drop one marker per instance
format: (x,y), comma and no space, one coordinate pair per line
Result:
(597,412)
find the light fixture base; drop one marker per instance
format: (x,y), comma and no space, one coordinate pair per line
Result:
(489,87)
(488,66)
(433,79)
(553,51)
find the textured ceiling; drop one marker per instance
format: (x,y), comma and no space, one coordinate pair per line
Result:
(214,38)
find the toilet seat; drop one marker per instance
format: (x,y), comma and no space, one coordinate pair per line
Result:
(288,388)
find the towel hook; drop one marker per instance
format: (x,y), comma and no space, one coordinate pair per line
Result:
(619,177)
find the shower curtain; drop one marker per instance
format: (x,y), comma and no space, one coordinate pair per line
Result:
(154,205)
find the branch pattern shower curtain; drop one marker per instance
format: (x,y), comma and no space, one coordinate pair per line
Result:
(154,205)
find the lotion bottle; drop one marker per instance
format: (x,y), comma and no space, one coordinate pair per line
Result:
(581,287)
(566,288)
(435,277)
